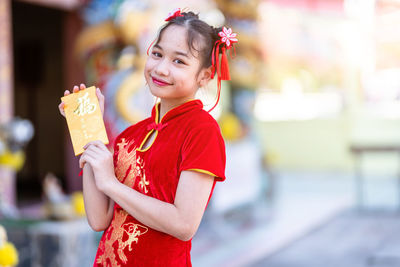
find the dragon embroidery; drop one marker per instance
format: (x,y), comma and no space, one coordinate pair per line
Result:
(130,166)
(115,234)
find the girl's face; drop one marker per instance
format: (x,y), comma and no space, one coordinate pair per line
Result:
(172,70)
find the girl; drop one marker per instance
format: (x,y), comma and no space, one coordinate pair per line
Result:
(149,195)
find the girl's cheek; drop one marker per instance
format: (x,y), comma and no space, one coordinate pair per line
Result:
(150,63)
(147,71)
(146,66)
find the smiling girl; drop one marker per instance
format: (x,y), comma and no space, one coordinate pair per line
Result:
(149,195)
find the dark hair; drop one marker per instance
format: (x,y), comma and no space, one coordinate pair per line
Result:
(197,30)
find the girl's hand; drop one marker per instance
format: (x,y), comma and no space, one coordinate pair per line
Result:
(76,89)
(101,161)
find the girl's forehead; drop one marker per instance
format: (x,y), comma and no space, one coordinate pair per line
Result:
(175,37)
(174,34)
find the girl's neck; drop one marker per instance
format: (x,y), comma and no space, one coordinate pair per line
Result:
(167,105)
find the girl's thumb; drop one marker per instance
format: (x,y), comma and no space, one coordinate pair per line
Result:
(98,92)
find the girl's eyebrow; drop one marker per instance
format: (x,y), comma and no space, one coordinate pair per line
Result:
(175,52)
(182,54)
(158,46)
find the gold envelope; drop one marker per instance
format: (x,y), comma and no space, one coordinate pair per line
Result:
(84,118)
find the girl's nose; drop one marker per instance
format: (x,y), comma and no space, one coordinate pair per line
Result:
(162,68)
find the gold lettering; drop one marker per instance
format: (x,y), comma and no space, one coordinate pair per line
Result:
(84,106)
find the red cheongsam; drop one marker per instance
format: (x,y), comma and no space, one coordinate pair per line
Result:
(186,138)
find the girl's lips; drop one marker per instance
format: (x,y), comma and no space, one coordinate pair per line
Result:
(159,82)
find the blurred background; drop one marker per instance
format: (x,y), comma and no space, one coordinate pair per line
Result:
(311,121)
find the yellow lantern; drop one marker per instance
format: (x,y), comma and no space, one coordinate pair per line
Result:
(231,127)
(78,204)
(8,253)
(14,160)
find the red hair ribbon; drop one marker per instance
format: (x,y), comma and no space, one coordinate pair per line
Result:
(174,14)
(156,126)
(228,38)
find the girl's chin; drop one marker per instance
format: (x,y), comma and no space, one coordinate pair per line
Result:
(158,94)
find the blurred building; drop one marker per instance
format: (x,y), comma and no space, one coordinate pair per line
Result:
(331,82)
(37,65)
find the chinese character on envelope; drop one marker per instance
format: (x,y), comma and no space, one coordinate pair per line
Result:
(84,118)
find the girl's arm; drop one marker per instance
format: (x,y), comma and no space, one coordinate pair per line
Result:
(180,219)
(98,206)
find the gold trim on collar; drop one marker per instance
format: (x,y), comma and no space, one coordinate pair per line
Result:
(140,149)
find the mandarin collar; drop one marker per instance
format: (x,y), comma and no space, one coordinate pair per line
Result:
(176,111)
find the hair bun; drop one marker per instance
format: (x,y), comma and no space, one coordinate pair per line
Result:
(215,32)
(190,14)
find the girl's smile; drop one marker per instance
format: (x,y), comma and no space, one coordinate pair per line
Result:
(159,82)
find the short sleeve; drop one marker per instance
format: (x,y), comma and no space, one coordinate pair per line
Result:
(204,151)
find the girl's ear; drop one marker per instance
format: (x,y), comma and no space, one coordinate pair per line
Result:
(204,76)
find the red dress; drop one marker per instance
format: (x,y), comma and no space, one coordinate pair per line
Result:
(187,138)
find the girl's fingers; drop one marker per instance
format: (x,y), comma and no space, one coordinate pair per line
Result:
(62,104)
(85,158)
(93,150)
(82,161)
(77,88)
(97,151)
(100,96)
(98,93)
(97,144)
(61,108)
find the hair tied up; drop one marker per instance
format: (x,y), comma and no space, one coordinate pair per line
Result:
(174,14)
(226,41)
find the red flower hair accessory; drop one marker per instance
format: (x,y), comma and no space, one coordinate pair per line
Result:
(228,38)
(174,14)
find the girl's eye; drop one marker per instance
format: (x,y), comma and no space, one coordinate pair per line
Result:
(179,61)
(156,54)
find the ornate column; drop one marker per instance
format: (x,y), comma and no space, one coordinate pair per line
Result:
(7,176)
